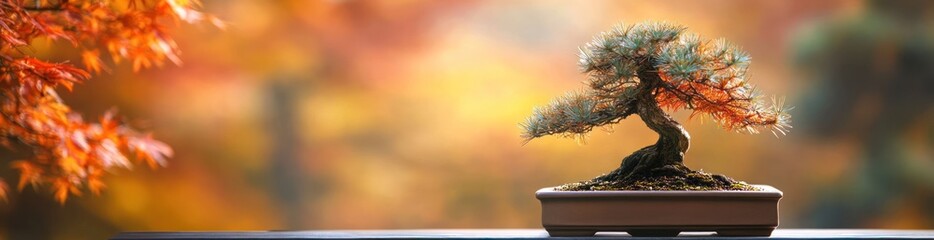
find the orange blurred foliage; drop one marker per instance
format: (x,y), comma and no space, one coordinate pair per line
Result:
(68,152)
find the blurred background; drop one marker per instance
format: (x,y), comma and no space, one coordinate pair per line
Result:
(403,114)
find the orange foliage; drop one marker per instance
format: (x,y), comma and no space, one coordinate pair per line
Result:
(722,91)
(69,153)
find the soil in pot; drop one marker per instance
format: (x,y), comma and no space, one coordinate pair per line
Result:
(662,179)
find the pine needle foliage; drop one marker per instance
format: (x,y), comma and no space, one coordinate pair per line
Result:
(707,77)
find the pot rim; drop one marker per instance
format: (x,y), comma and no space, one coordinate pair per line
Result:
(765,192)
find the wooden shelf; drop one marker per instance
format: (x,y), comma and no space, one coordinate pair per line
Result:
(512,234)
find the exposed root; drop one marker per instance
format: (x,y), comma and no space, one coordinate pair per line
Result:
(657,167)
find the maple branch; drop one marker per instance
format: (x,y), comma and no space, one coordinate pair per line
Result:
(39,8)
(44,9)
(68,152)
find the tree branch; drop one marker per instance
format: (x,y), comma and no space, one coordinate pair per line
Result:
(39,8)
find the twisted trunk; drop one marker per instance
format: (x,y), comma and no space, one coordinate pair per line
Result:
(666,156)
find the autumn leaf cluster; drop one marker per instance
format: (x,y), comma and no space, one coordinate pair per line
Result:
(69,154)
(707,77)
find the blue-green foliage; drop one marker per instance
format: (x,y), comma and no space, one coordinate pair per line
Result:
(612,61)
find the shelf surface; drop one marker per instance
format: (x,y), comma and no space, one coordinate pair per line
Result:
(514,234)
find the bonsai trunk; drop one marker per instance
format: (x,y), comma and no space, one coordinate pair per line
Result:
(666,156)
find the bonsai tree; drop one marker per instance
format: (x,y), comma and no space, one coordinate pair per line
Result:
(643,69)
(69,154)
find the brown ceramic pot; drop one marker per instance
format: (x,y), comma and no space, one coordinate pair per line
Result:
(660,213)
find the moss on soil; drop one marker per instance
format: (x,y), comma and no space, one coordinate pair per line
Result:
(692,181)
